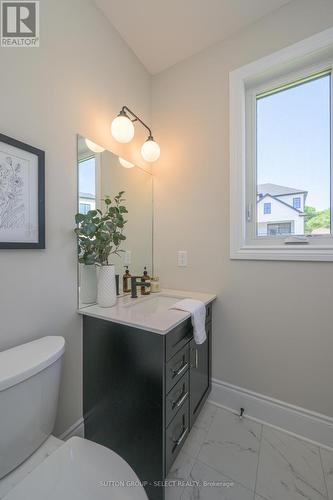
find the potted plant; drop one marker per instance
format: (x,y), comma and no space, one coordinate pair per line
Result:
(100,235)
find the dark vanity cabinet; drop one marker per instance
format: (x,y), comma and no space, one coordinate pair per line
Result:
(142,392)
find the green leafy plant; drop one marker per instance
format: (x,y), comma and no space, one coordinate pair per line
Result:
(100,234)
(316,220)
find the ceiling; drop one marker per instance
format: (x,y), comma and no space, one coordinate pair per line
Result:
(164,32)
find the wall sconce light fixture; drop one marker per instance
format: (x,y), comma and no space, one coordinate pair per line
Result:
(122,129)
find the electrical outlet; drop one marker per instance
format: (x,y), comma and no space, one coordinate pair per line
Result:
(182,258)
(127,257)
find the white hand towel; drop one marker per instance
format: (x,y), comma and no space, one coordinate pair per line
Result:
(198,317)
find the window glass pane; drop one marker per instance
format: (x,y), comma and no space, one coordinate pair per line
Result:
(293,159)
(279,229)
(267,208)
(297,202)
(84,208)
(87,185)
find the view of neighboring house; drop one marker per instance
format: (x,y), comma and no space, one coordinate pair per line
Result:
(86,202)
(280,210)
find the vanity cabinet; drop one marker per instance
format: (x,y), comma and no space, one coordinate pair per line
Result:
(142,392)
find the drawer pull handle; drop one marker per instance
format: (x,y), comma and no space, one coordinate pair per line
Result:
(181,438)
(180,401)
(180,370)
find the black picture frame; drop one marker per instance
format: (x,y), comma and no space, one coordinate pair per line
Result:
(40,244)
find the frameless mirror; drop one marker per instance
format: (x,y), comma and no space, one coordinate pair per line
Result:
(103,174)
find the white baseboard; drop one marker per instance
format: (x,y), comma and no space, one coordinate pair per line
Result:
(77,429)
(309,425)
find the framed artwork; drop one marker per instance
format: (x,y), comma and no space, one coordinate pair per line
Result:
(22,195)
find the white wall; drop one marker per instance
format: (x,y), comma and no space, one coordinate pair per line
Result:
(75,82)
(273,329)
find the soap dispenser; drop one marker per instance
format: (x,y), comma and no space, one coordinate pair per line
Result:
(145,290)
(126,280)
(155,284)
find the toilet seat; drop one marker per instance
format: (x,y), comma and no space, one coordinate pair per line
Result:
(80,470)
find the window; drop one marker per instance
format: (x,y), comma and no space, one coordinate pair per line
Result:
(267,208)
(280,150)
(292,152)
(279,229)
(87,184)
(297,203)
(84,208)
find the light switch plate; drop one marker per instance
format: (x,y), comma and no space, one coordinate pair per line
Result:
(182,258)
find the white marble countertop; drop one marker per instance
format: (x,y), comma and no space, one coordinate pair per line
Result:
(161,321)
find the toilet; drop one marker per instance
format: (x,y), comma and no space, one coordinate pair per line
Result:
(78,468)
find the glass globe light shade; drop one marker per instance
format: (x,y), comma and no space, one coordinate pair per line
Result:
(150,150)
(95,148)
(125,163)
(122,129)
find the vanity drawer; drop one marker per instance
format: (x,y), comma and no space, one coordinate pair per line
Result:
(176,435)
(176,398)
(178,337)
(176,367)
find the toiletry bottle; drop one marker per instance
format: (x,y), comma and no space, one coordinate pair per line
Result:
(155,284)
(145,290)
(126,280)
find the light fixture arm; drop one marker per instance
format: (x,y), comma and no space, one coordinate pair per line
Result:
(125,110)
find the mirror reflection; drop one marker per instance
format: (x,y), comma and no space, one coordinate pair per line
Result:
(102,175)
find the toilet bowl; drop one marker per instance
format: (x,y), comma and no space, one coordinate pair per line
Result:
(78,468)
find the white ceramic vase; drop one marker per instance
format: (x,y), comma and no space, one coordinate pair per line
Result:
(106,286)
(88,284)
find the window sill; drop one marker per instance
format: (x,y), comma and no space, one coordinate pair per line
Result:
(323,253)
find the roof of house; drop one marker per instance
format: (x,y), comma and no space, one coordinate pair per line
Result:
(265,196)
(87,195)
(276,190)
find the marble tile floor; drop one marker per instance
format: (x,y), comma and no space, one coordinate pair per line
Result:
(225,458)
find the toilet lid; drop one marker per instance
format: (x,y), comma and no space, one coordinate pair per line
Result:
(80,470)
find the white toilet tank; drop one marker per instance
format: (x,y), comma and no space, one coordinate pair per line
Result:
(29,389)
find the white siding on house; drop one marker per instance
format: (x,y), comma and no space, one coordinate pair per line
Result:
(280,213)
(86,201)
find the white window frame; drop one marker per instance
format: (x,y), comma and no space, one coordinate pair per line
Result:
(300,60)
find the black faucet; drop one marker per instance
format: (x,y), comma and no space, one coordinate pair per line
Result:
(135,284)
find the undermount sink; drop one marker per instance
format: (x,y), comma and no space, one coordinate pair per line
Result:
(152,305)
